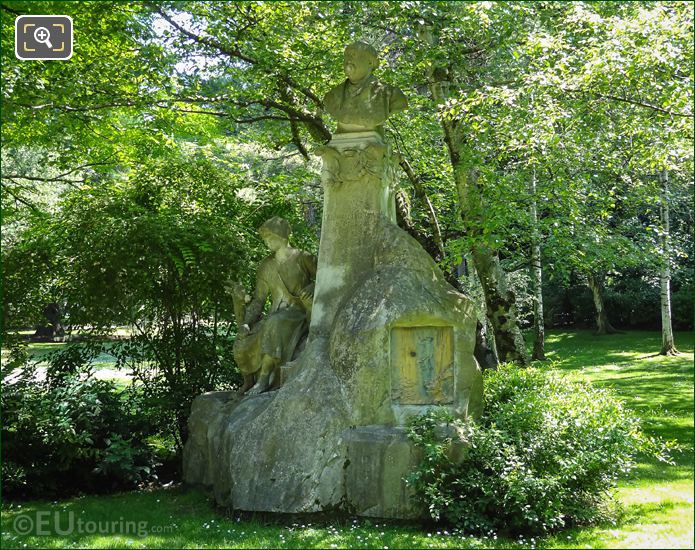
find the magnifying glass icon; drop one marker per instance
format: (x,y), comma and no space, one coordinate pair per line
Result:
(42,36)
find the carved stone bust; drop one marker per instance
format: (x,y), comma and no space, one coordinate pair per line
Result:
(362,103)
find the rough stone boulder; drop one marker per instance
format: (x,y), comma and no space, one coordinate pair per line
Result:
(402,341)
(280,451)
(333,436)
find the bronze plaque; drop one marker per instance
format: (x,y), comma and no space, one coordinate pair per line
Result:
(422,365)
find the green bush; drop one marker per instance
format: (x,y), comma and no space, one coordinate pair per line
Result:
(682,305)
(152,249)
(545,455)
(68,434)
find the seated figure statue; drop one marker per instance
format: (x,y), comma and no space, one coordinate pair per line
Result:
(265,343)
(361,103)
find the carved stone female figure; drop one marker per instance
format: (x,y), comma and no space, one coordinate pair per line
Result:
(287,275)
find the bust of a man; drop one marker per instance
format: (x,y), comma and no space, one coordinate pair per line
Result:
(362,103)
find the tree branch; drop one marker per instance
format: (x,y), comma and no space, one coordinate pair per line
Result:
(13,177)
(631,101)
(20,199)
(70,108)
(237,120)
(235,52)
(420,193)
(320,131)
(314,124)
(10,10)
(230,51)
(59,178)
(200,112)
(435,244)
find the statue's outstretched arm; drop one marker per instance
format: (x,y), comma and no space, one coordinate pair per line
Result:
(255,308)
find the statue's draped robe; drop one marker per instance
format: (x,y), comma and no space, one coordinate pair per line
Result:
(278,334)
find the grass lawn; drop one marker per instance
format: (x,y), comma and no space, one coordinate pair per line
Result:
(658,501)
(104,364)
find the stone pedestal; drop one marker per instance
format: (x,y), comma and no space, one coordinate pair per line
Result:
(379,459)
(358,179)
(389,339)
(280,451)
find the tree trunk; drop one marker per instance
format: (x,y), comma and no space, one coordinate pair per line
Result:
(499,301)
(668,346)
(53,329)
(603,325)
(536,277)
(500,307)
(484,350)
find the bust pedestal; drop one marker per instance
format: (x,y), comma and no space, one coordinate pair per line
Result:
(358,177)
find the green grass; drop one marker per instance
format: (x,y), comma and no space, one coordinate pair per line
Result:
(104,364)
(39,351)
(658,502)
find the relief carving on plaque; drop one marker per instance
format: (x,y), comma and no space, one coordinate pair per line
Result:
(422,365)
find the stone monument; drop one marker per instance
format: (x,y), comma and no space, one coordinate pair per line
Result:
(389,338)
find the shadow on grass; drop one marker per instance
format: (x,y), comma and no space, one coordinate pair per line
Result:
(651,384)
(658,388)
(635,513)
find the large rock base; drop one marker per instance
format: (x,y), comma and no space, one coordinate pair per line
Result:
(365,473)
(280,451)
(379,459)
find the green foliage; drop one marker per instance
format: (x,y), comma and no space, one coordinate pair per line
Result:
(632,300)
(545,455)
(120,459)
(153,203)
(152,249)
(591,98)
(67,434)
(682,307)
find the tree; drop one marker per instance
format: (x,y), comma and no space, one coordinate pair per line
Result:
(98,109)
(536,276)
(497,91)
(621,121)
(668,346)
(498,299)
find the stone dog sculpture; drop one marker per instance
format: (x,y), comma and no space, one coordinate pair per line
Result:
(264,344)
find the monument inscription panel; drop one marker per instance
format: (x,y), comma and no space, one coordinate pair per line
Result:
(422,365)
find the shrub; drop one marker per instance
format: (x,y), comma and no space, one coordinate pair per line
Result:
(66,434)
(545,455)
(171,367)
(152,249)
(682,304)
